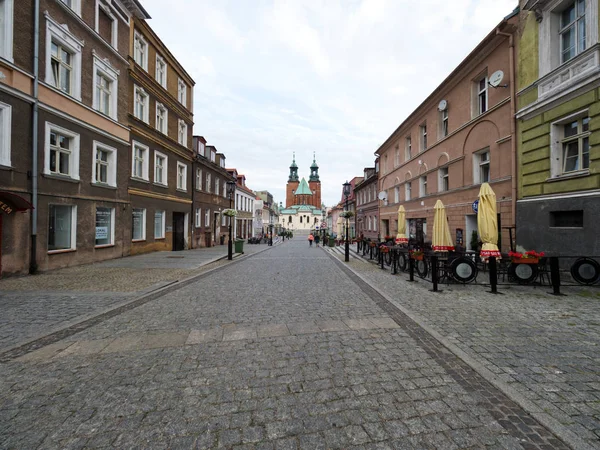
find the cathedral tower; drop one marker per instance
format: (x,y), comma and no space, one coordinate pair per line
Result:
(303,193)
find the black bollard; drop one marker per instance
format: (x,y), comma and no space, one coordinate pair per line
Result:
(411,269)
(493,275)
(555,275)
(395,262)
(382,256)
(434,272)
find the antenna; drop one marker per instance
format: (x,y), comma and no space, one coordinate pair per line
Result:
(496,78)
(382,195)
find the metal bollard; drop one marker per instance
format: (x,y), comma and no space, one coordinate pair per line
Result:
(411,269)
(493,275)
(382,256)
(555,275)
(395,262)
(434,272)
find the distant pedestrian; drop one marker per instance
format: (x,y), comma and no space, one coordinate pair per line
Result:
(317,239)
(311,238)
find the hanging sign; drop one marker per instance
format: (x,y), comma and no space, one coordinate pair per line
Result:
(5,208)
(475,206)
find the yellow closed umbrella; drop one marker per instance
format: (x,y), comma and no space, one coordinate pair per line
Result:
(339,227)
(442,240)
(401,237)
(487,222)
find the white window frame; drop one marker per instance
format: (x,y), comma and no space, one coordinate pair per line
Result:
(397,156)
(112,74)
(217,186)
(207,218)
(162,225)
(145,161)
(396,194)
(114,34)
(182,92)
(73,229)
(112,228)
(6,34)
(143,61)
(183,185)
(160,60)
(477,166)
(198,179)
(145,104)
(423,186)
(182,132)
(111,172)
(75,6)
(208,182)
(61,36)
(198,220)
(423,137)
(443,121)
(443,176)
(165,128)
(165,168)
(5,134)
(73,159)
(557,140)
(407,191)
(407,148)
(562,29)
(478,94)
(143,238)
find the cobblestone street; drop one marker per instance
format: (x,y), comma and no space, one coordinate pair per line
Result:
(289,349)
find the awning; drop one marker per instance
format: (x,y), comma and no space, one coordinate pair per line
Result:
(11,202)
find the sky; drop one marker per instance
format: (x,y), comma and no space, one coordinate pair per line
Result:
(333,78)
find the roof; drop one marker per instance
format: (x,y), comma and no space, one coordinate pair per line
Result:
(295,209)
(303,189)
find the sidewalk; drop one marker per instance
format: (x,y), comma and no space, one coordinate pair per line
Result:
(35,305)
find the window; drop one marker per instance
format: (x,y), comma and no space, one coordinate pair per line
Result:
(75,5)
(162,117)
(213,155)
(397,156)
(208,182)
(139,161)
(423,133)
(199,179)
(572,31)
(159,224)
(161,168)
(106,24)
(408,149)
(385,164)
(407,191)
(217,186)
(181,176)
(181,92)
(481,97)
(444,123)
(105,88)
(6,29)
(224,189)
(161,71)
(182,133)
(198,218)
(105,226)
(105,165)
(61,152)
(396,194)
(423,186)
(138,224)
(5,133)
(63,59)
(140,50)
(575,145)
(62,227)
(566,219)
(481,165)
(140,107)
(207,218)
(443,179)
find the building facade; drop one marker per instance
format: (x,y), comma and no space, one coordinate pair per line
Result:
(244,205)
(311,191)
(64,137)
(161,121)
(558,127)
(461,136)
(367,205)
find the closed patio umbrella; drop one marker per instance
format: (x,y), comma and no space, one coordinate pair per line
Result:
(401,237)
(339,227)
(442,240)
(487,222)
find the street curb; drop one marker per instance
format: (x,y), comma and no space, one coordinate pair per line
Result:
(567,436)
(81,323)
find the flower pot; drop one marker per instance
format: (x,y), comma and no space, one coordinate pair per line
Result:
(417,257)
(384,249)
(525,260)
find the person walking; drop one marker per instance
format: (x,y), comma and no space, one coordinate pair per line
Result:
(311,238)
(317,239)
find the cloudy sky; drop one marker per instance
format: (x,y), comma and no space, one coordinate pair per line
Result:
(334,77)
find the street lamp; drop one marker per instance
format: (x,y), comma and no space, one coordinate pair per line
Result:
(230,191)
(271,228)
(347,194)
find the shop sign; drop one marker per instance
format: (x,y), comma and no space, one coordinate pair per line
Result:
(101,232)
(5,208)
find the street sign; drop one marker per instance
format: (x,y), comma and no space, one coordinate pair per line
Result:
(324,225)
(475,206)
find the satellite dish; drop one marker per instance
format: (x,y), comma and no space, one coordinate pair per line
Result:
(382,195)
(442,105)
(496,78)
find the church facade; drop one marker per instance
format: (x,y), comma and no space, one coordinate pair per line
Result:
(302,210)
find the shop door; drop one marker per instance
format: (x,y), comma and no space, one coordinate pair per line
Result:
(178,231)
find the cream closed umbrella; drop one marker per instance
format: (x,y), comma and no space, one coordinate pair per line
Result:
(339,227)
(487,222)
(401,237)
(442,240)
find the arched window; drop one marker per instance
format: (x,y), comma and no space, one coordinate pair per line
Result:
(290,219)
(300,219)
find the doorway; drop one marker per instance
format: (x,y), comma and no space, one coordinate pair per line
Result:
(178,231)
(470,226)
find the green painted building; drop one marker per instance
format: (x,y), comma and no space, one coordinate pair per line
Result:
(558,127)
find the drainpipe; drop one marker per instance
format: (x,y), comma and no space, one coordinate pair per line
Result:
(513,126)
(34,137)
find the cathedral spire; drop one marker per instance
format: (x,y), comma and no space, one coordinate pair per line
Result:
(314,169)
(293,170)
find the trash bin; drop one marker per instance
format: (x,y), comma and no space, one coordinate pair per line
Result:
(239,246)
(331,242)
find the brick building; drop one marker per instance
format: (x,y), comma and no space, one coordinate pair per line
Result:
(367,205)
